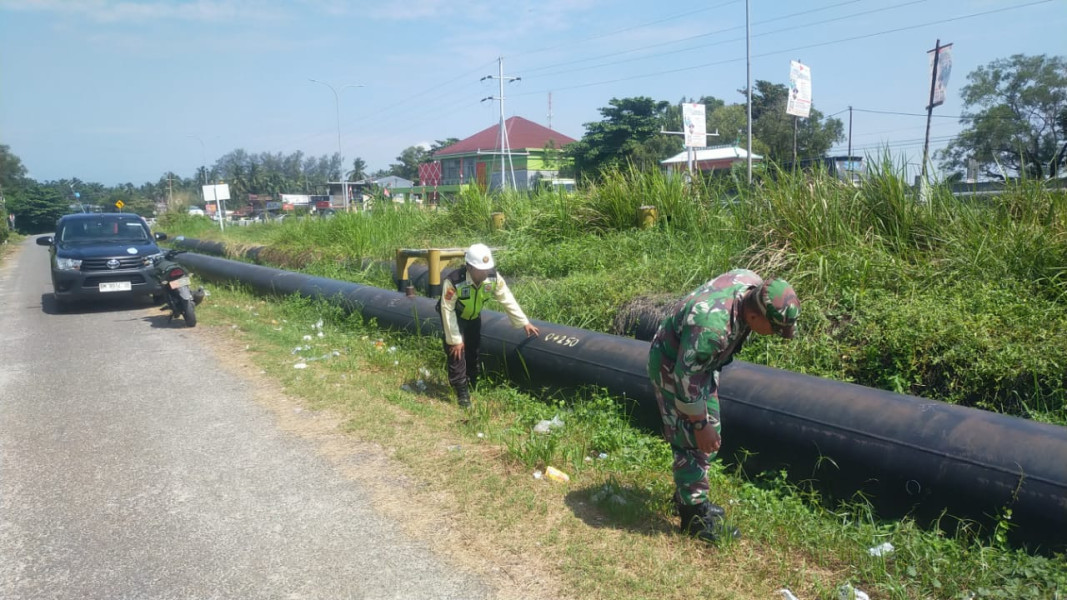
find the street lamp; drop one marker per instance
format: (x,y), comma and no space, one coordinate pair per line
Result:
(203,162)
(337,109)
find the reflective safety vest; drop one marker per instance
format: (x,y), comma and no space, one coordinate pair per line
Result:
(461,299)
(470,299)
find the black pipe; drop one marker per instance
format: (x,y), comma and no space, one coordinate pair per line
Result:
(902,452)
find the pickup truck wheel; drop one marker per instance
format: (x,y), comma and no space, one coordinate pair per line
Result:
(60,305)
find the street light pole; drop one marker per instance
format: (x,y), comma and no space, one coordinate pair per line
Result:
(203,163)
(337,110)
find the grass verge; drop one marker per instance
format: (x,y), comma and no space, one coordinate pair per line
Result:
(609,532)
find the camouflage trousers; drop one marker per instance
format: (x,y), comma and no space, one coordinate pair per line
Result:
(690,464)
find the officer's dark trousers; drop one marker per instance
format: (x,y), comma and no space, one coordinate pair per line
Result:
(465,369)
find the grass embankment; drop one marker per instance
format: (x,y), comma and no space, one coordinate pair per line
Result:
(949,300)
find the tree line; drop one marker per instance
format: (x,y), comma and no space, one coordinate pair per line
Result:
(1014,123)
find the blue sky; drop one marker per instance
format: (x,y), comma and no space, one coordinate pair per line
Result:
(122,91)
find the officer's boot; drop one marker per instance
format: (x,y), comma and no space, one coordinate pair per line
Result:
(702,522)
(463,395)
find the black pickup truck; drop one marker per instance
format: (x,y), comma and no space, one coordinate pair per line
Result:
(102,255)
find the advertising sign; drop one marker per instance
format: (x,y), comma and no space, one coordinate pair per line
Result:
(799,103)
(694,125)
(944,69)
(296,199)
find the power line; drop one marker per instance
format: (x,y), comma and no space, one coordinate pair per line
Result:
(794,49)
(440,109)
(633,27)
(790,29)
(694,37)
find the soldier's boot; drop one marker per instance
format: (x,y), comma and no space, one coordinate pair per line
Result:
(463,396)
(713,510)
(701,522)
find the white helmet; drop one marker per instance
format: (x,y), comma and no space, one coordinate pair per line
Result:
(479,257)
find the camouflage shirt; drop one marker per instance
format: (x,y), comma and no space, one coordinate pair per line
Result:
(701,335)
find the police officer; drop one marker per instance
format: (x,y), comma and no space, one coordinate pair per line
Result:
(463,294)
(700,335)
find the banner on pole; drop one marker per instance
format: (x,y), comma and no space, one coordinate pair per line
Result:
(944,69)
(695,125)
(799,103)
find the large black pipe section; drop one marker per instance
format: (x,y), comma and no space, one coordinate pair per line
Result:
(904,453)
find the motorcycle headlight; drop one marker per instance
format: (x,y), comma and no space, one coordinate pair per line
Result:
(68,264)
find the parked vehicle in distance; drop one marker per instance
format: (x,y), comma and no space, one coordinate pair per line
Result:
(102,255)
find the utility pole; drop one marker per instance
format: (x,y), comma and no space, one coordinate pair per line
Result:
(550,110)
(795,120)
(850,134)
(748,85)
(505,150)
(930,107)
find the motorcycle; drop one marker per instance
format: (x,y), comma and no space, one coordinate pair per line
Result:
(180,300)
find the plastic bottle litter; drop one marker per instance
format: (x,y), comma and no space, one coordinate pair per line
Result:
(787,595)
(881,549)
(556,475)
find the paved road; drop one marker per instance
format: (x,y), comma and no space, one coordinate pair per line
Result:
(131,467)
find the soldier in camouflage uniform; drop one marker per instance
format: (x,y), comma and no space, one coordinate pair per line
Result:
(700,336)
(463,294)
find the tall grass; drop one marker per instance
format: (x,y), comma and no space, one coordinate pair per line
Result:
(957,299)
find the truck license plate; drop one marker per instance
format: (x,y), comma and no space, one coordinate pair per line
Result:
(115,286)
(179,282)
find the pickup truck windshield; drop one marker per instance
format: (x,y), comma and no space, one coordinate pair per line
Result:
(103,231)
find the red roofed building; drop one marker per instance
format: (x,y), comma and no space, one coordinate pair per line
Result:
(534,155)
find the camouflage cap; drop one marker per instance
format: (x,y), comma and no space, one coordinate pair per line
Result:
(779,304)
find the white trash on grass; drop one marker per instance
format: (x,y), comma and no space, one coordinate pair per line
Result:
(881,549)
(547,426)
(847,592)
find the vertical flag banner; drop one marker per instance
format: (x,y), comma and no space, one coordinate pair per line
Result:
(944,69)
(799,103)
(695,125)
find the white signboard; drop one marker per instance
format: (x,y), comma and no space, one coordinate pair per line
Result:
(944,69)
(214,193)
(799,103)
(694,125)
